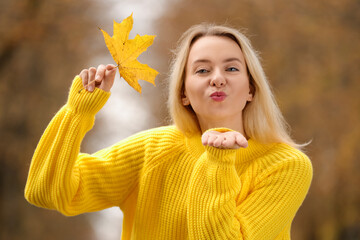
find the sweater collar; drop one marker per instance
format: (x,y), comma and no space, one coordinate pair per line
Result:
(254,150)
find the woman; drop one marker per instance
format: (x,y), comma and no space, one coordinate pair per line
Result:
(226,169)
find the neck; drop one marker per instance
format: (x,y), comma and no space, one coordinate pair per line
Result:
(235,124)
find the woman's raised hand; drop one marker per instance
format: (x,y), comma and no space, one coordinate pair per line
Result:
(225,140)
(102,77)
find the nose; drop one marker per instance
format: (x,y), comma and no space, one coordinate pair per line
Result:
(217,79)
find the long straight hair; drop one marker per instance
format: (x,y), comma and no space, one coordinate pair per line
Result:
(262,117)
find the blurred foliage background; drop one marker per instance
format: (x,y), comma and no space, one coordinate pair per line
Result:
(310,51)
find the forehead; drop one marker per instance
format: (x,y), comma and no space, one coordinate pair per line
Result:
(214,48)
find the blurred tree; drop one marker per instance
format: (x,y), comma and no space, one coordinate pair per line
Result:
(310,52)
(43,44)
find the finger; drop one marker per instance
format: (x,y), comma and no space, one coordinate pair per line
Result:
(84,75)
(241,140)
(109,77)
(110,67)
(204,138)
(218,142)
(100,73)
(212,138)
(230,141)
(91,82)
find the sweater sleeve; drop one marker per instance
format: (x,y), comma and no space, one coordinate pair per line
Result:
(215,213)
(62,178)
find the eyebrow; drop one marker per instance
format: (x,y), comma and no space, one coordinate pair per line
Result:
(233,59)
(226,60)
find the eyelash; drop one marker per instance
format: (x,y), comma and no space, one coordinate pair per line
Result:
(230,69)
(202,71)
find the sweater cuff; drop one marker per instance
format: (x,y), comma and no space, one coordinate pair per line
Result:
(218,155)
(221,156)
(84,102)
(220,129)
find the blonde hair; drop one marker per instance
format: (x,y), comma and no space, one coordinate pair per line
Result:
(262,118)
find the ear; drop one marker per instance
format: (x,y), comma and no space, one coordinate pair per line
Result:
(185,101)
(250,97)
(251,91)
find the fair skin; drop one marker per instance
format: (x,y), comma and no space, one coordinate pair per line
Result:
(216,86)
(101,77)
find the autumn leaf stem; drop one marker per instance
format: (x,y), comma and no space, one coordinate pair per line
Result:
(86,86)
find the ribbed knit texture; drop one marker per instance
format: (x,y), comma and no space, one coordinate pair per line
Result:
(168,186)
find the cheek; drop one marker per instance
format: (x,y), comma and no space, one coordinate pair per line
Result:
(245,85)
(191,87)
(242,91)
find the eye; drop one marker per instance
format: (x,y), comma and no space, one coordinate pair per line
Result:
(203,70)
(232,69)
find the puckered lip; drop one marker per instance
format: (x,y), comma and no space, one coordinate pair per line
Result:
(218,94)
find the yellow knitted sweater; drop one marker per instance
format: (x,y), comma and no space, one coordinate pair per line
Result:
(168,186)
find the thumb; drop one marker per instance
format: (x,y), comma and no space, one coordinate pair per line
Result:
(241,140)
(110,67)
(110,72)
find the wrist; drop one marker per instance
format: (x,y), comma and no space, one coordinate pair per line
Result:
(84,102)
(221,156)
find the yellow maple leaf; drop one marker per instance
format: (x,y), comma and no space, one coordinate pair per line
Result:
(125,52)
